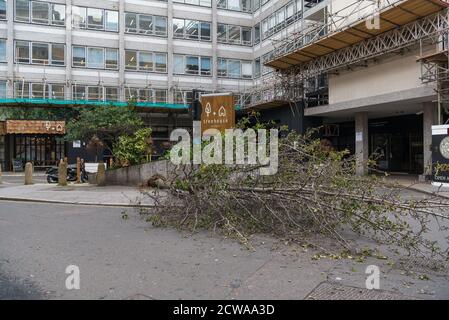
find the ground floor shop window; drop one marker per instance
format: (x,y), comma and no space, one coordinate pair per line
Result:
(40,150)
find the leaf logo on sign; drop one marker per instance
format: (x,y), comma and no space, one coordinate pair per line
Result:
(208,109)
(222,112)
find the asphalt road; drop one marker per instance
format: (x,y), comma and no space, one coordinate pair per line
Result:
(128,259)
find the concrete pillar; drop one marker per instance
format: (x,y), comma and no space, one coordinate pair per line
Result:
(430,118)
(214,45)
(170,93)
(68,50)
(121,51)
(10,48)
(361,143)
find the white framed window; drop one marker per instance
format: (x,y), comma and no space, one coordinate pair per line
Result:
(232,68)
(145,61)
(39,90)
(95,57)
(196,65)
(39,12)
(191,29)
(39,53)
(145,24)
(95,19)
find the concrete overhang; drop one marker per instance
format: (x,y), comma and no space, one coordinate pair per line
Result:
(385,105)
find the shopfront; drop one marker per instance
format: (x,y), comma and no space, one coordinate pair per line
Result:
(37,141)
(395,143)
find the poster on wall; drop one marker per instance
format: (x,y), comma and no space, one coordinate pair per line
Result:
(440,156)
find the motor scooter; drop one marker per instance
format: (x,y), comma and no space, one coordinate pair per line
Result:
(52,174)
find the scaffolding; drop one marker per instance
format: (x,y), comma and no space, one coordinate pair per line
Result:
(356,33)
(435,70)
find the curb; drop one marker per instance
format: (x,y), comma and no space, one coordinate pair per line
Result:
(117,205)
(430,193)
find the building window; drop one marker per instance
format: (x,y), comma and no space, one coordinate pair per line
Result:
(95,19)
(257,68)
(146,94)
(281,18)
(191,29)
(2,50)
(111,18)
(192,65)
(234,34)
(145,61)
(22,10)
(111,94)
(58,14)
(40,12)
(257,33)
(95,57)
(94,93)
(2,9)
(41,53)
(111,57)
(40,90)
(58,54)
(145,24)
(235,5)
(186,96)
(203,3)
(231,68)
(2,89)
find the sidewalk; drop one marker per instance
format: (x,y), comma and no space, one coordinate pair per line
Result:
(85,194)
(412,183)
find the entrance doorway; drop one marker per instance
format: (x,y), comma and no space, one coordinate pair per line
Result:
(397,144)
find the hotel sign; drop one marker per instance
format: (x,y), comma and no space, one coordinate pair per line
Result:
(217,112)
(440,155)
(34,127)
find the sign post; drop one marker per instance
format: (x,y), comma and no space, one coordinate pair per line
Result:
(218,112)
(440,156)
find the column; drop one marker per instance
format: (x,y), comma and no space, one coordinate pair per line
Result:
(214,45)
(361,143)
(121,50)
(430,118)
(10,48)
(68,50)
(170,93)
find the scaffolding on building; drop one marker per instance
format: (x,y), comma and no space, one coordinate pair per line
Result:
(353,35)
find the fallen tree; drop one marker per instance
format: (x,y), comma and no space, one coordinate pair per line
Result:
(315,191)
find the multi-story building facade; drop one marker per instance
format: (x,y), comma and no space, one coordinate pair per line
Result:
(153,51)
(373,74)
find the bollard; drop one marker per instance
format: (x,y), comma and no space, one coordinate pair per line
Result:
(28,173)
(101,174)
(62,173)
(0,174)
(78,170)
